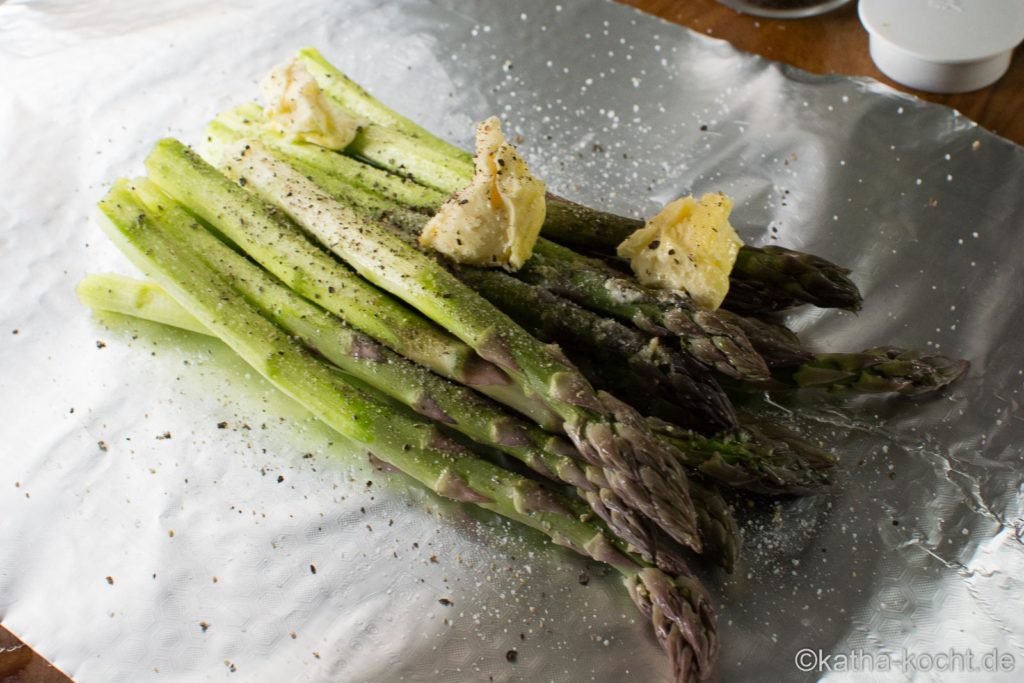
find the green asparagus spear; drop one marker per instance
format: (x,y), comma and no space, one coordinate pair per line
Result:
(607,433)
(878,370)
(678,608)
(669,604)
(885,369)
(128,296)
(351,96)
(778,345)
(761,457)
(718,527)
(439,164)
(786,274)
(276,243)
(248,121)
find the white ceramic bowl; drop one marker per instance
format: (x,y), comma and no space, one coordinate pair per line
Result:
(945,46)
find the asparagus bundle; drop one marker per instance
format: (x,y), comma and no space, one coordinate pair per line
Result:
(450,404)
(608,433)
(677,607)
(783,464)
(374,382)
(742,458)
(179,170)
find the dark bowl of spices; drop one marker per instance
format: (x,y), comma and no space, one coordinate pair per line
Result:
(784,9)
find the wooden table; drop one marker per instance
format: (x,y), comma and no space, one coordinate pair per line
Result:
(837,43)
(20,664)
(834,43)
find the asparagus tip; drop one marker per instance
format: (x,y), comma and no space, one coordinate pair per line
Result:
(683,620)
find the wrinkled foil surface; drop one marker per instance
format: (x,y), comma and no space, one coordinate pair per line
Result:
(167,516)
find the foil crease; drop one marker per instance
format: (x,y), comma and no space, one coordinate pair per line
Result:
(166,516)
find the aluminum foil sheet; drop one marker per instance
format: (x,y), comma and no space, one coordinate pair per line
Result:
(166,516)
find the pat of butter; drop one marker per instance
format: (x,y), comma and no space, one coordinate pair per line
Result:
(496,219)
(297,108)
(689,246)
